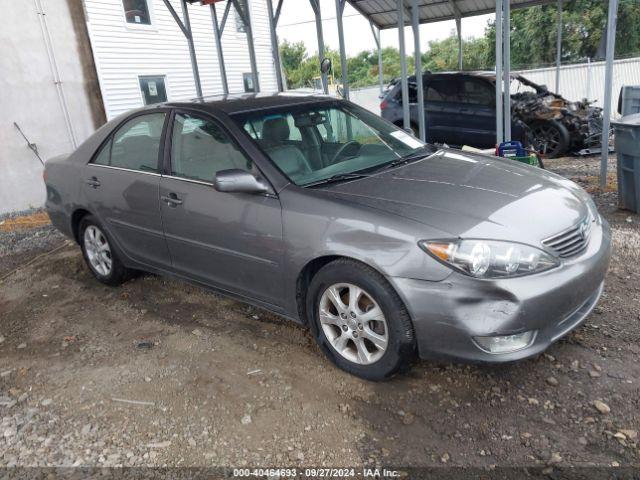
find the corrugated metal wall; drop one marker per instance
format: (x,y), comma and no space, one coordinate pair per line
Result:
(584,81)
(123,52)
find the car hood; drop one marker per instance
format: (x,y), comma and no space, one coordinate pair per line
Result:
(472,196)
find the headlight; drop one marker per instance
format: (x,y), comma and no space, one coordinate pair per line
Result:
(490,258)
(593,210)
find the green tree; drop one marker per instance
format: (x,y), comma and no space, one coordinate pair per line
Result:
(292,56)
(442,55)
(533,32)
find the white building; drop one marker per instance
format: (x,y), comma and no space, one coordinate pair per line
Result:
(62,60)
(142,55)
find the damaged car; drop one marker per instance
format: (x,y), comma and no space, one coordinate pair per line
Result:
(460,109)
(386,248)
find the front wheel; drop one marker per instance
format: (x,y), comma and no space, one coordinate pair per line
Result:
(359,321)
(550,138)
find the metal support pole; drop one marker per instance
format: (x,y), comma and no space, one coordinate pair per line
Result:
(415,24)
(185,26)
(218,34)
(499,109)
(343,55)
(192,49)
(459,28)
(275,49)
(245,15)
(559,46)
(458,17)
(404,81)
(506,68)
(376,37)
(315,5)
(608,81)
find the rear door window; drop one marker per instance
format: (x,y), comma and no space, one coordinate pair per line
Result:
(135,145)
(443,90)
(477,92)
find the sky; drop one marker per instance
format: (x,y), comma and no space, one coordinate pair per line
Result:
(297,23)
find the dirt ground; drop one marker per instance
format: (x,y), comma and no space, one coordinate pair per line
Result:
(217,383)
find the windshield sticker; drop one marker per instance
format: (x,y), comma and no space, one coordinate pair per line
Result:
(407,139)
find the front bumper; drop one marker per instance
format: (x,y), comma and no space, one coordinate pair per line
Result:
(448,314)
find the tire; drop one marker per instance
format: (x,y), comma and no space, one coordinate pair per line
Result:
(341,328)
(103,263)
(550,138)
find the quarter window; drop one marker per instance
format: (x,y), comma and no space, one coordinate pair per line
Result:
(136,145)
(200,149)
(136,12)
(477,92)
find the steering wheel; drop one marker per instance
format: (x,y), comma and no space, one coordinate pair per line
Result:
(343,149)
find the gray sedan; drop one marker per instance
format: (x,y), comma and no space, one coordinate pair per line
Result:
(388,249)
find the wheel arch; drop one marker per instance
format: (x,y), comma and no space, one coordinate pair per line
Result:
(76,218)
(311,268)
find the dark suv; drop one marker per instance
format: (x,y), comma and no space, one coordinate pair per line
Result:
(460,109)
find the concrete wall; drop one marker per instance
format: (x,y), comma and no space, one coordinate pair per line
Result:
(28,95)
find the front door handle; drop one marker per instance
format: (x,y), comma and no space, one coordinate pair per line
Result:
(93,182)
(172,200)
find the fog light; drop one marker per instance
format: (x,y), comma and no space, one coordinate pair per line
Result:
(505,343)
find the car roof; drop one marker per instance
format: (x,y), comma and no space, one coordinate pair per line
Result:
(248,102)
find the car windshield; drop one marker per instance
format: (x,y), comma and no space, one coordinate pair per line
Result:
(328,141)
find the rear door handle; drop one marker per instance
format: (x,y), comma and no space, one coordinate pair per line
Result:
(172,200)
(93,182)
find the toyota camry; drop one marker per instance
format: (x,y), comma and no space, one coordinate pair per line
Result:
(387,248)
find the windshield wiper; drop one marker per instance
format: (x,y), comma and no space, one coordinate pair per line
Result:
(339,177)
(424,151)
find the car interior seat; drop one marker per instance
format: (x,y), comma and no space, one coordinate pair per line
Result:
(275,133)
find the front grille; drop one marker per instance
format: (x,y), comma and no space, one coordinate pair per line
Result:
(570,242)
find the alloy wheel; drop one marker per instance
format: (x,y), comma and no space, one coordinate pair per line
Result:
(546,138)
(353,323)
(98,250)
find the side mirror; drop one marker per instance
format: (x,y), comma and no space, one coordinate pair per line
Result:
(325,65)
(238,181)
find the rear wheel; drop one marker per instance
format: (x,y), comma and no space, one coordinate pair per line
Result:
(359,321)
(550,138)
(99,254)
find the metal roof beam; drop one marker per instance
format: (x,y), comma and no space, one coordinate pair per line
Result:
(360,6)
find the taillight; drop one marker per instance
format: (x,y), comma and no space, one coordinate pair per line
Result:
(45,175)
(384,105)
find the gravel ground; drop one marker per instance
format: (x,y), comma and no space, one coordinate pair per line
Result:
(217,383)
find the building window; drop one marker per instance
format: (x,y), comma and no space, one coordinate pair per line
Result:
(247,79)
(153,89)
(136,12)
(240,26)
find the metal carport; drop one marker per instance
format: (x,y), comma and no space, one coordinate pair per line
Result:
(385,14)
